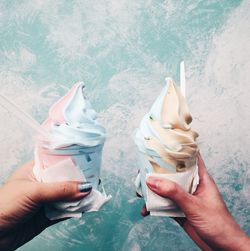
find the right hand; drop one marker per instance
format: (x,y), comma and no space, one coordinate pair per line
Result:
(22,205)
(208,221)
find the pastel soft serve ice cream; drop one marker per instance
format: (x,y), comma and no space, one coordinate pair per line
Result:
(167,147)
(72,151)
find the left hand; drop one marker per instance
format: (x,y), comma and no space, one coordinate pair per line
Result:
(22,201)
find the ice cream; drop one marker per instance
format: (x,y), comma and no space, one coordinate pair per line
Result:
(71,151)
(167,148)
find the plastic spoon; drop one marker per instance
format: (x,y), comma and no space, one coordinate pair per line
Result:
(22,115)
(182,78)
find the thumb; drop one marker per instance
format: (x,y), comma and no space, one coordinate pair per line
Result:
(68,190)
(173,191)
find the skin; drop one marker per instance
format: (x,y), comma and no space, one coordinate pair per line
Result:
(208,221)
(22,201)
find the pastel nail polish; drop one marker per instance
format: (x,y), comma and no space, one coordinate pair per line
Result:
(85,187)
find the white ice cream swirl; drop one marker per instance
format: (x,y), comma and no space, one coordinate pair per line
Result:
(72,121)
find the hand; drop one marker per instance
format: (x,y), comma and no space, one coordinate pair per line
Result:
(22,201)
(208,221)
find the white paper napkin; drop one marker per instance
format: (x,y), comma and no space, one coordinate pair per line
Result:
(66,170)
(159,206)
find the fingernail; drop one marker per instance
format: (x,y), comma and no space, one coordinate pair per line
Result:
(85,187)
(144,211)
(152,182)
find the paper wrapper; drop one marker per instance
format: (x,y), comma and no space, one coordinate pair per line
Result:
(79,167)
(157,205)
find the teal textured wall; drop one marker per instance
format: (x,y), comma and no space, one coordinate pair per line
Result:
(123,50)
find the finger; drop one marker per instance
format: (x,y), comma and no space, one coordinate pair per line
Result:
(192,233)
(144,211)
(202,170)
(69,191)
(205,178)
(41,221)
(173,191)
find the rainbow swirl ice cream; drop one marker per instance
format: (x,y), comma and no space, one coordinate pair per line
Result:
(167,147)
(72,151)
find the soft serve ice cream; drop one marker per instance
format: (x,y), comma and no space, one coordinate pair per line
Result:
(71,151)
(167,149)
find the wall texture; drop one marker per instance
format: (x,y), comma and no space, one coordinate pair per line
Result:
(123,50)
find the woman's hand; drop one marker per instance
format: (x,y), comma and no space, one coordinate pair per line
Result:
(22,201)
(208,221)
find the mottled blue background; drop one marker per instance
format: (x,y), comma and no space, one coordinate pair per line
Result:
(123,50)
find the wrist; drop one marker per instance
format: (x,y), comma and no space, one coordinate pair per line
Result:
(240,242)
(233,238)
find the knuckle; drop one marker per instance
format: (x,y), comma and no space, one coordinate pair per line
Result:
(65,188)
(172,187)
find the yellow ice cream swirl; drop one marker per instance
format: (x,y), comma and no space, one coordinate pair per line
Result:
(175,142)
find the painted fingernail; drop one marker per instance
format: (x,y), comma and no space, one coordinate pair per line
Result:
(85,187)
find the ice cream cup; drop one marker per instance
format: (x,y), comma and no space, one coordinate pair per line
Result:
(71,164)
(157,205)
(86,159)
(72,151)
(167,149)
(68,148)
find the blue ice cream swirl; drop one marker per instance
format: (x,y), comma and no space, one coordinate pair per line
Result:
(80,128)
